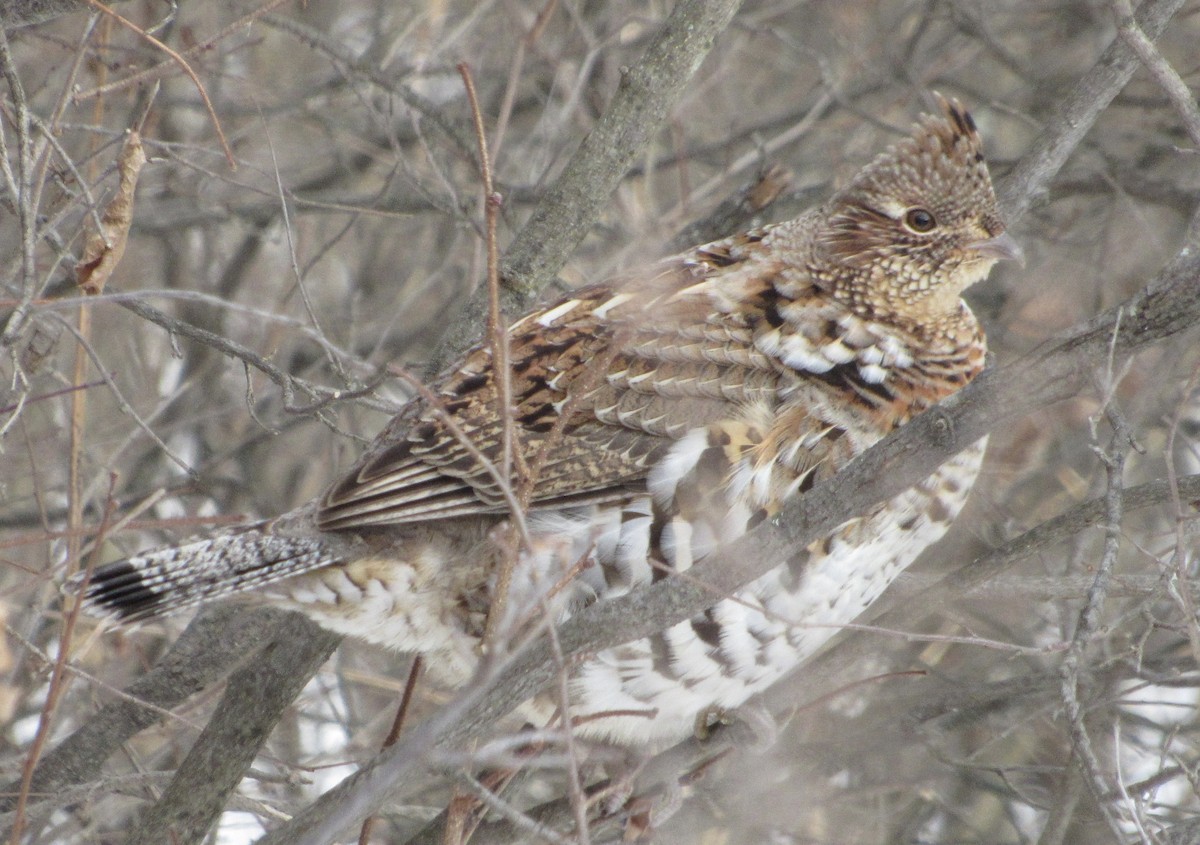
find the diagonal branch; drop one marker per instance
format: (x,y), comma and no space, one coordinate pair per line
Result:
(253,702)
(1079,110)
(1165,75)
(572,205)
(199,658)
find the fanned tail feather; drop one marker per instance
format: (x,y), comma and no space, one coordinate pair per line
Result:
(162,581)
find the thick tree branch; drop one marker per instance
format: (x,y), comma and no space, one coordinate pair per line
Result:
(254,701)
(570,207)
(219,638)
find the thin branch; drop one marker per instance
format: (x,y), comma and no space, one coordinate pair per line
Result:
(386,81)
(575,790)
(184,66)
(514,73)
(288,384)
(1181,558)
(976,576)
(21,188)
(393,734)
(85,348)
(512,470)
(1113,460)
(293,263)
(570,207)
(159,70)
(529,827)
(58,684)
(1078,111)
(1165,75)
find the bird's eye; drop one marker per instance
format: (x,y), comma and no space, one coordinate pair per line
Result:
(919,220)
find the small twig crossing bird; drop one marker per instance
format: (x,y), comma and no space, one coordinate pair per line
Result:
(660,415)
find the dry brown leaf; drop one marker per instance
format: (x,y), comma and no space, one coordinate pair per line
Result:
(769,186)
(105,248)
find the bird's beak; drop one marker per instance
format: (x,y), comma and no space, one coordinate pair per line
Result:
(1000,248)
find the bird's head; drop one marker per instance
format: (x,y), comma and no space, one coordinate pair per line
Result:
(916,226)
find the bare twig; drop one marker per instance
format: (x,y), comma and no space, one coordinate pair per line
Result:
(288,384)
(87,352)
(184,66)
(512,469)
(354,66)
(530,827)
(570,206)
(58,685)
(575,792)
(142,704)
(286,217)
(514,73)
(20,188)
(393,734)
(1165,75)
(1178,587)
(1078,110)
(159,70)
(1113,460)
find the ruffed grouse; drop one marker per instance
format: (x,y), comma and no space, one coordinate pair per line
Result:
(661,415)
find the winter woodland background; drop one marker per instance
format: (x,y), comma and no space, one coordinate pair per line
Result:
(1032,680)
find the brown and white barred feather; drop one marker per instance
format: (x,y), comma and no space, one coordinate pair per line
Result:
(167,580)
(662,415)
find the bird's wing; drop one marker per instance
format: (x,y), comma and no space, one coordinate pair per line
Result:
(602,383)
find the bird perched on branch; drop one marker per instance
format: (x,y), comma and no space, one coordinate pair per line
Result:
(653,419)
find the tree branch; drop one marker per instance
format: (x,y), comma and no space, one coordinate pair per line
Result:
(254,701)
(219,638)
(1078,111)
(570,207)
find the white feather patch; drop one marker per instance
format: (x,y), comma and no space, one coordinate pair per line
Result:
(665,475)
(601,310)
(872,374)
(547,318)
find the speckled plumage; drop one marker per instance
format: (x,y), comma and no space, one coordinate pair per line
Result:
(661,415)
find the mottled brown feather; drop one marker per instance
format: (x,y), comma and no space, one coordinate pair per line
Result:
(681,346)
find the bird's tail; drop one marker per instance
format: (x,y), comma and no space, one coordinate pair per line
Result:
(158,582)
